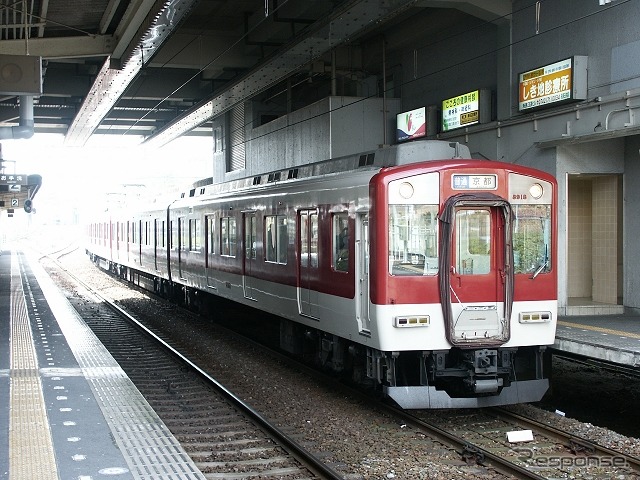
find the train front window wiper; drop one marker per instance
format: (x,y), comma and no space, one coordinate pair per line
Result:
(543,265)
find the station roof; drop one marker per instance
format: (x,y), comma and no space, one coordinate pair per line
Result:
(164,68)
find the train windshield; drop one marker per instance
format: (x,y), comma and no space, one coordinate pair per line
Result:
(532,238)
(413,239)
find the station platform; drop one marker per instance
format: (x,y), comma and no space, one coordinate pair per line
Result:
(610,338)
(67,410)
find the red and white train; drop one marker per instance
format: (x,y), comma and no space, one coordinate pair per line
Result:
(426,273)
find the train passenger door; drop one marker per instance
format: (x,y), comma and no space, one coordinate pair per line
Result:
(250,247)
(307,262)
(480,279)
(362,272)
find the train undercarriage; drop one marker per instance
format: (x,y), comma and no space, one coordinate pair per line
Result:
(455,378)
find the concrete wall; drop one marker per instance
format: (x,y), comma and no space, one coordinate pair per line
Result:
(329,128)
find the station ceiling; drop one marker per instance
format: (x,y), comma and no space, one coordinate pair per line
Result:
(164,68)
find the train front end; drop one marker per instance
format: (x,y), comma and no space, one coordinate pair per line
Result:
(463,283)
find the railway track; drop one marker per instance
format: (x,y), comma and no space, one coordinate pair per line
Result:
(551,454)
(224,436)
(475,438)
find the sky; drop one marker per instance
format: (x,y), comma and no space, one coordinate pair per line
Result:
(80,179)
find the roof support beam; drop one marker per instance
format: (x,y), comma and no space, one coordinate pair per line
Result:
(111,83)
(351,19)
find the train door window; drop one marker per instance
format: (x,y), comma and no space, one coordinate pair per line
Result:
(194,234)
(473,241)
(162,235)
(276,238)
(250,240)
(531,238)
(209,235)
(173,239)
(340,238)
(183,233)
(228,236)
(309,239)
(413,239)
(212,235)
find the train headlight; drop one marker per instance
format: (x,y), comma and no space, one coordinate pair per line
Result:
(535,317)
(406,190)
(536,191)
(412,321)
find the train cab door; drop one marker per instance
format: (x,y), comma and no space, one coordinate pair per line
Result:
(362,272)
(480,281)
(307,262)
(250,247)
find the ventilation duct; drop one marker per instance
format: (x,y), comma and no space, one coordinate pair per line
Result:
(25,127)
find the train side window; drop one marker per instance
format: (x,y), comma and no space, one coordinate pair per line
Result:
(340,237)
(413,239)
(277,238)
(228,236)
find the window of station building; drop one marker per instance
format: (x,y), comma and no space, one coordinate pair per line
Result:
(276,238)
(228,241)
(413,239)
(340,239)
(194,234)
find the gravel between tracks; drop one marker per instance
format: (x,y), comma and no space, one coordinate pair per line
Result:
(365,444)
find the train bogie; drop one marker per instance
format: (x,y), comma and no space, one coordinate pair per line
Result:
(433,279)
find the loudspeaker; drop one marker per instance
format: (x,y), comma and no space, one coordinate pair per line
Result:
(20,75)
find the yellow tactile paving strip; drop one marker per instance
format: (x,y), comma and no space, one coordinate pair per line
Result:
(31,454)
(599,329)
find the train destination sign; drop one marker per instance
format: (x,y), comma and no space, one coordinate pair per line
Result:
(474,182)
(553,84)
